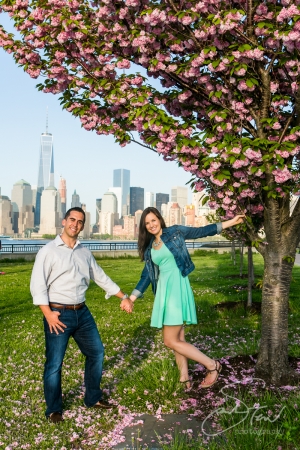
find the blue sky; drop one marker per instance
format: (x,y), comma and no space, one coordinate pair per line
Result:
(84,159)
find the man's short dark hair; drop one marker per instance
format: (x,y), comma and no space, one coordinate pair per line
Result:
(75,208)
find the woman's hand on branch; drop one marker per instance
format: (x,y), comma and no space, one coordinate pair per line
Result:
(239,218)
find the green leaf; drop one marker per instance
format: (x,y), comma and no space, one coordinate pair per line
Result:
(215,63)
(205,200)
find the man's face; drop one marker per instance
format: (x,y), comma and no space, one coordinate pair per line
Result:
(73,224)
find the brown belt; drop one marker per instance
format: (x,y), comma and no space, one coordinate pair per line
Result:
(60,306)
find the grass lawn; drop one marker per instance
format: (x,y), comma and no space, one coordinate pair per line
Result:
(140,375)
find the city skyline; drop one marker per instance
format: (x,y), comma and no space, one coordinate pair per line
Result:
(85,160)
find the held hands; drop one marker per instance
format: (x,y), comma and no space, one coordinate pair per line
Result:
(239,218)
(127,305)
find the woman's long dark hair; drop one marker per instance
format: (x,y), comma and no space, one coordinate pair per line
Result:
(144,235)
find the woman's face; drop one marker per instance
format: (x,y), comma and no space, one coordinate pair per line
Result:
(152,224)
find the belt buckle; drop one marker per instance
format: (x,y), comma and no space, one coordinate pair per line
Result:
(74,307)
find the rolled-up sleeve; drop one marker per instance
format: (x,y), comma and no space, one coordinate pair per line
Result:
(99,276)
(39,277)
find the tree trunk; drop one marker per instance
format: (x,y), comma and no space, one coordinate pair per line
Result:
(250,275)
(282,232)
(252,270)
(272,364)
(241,259)
(233,253)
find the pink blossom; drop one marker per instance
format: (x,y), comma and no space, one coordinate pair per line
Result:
(282,175)
(287,13)
(283,153)
(199,186)
(253,155)
(239,174)
(217,182)
(236,150)
(274,87)
(276,126)
(240,163)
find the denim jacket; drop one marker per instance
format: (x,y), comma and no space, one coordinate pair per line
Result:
(174,239)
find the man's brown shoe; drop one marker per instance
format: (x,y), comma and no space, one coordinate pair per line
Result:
(55,417)
(103,405)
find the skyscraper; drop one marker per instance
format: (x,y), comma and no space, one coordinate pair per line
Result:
(50,211)
(179,194)
(98,209)
(160,199)
(118,193)
(149,199)
(62,189)
(136,199)
(121,178)
(6,213)
(21,199)
(75,200)
(46,169)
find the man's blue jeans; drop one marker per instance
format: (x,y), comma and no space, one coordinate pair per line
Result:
(81,325)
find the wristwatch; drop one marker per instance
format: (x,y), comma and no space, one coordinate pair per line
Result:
(124,297)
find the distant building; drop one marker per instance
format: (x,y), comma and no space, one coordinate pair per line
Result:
(129,227)
(175,215)
(75,200)
(118,193)
(23,210)
(109,203)
(108,216)
(149,199)
(126,232)
(106,222)
(46,169)
(199,200)
(189,214)
(201,221)
(5,216)
(98,208)
(136,199)
(164,210)
(179,194)
(121,178)
(62,189)
(160,199)
(51,216)
(137,215)
(86,232)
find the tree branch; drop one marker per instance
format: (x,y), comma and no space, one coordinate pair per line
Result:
(286,126)
(143,145)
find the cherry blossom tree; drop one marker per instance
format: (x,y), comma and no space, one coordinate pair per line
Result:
(211,84)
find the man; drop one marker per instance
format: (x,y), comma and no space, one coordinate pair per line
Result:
(59,280)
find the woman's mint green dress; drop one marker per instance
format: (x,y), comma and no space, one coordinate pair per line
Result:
(174,302)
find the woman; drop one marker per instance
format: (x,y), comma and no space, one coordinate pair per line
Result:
(167,264)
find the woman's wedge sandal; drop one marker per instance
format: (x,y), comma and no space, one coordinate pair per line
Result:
(218,369)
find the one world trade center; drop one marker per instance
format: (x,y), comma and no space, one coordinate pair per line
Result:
(46,169)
